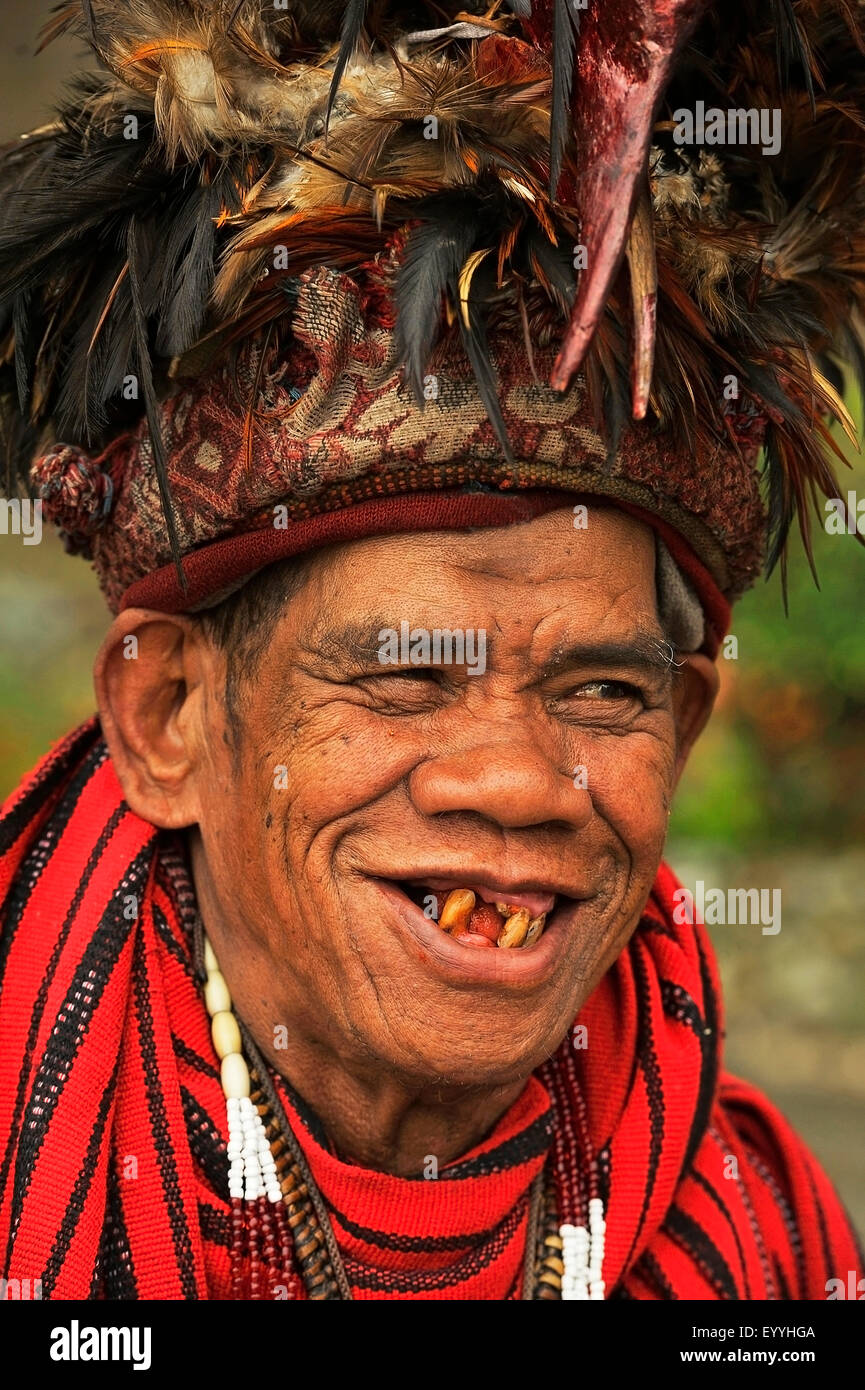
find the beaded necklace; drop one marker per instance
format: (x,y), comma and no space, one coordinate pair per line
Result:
(280,1227)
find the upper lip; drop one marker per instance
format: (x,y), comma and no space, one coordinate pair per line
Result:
(501,886)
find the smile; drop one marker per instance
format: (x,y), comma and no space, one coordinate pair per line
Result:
(485,932)
(476,915)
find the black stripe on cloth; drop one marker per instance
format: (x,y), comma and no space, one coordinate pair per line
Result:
(78,1197)
(172,945)
(175,878)
(206,1144)
(520,1148)
(781,1281)
(185,1053)
(686,1232)
(387,1240)
(768,1177)
(362,1276)
(36,860)
(651,926)
(746,1200)
(118,1268)
(215,1226)
(679,1004)
(649,1269)
(66,756)
(828,1260)
(725,1212)
(709,1063)
(82,997)
(159,1128)
(647,1058)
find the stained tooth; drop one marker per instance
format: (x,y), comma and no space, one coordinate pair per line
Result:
(457,910)
(536,928)
(515,928)
(507,909)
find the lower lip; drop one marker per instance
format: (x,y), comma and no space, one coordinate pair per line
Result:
(517,968)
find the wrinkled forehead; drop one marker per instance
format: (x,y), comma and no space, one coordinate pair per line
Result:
(586,543)
(586,567)
(590,556)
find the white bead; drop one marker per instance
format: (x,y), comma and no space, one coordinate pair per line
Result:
(216,995)
(596,1206)
(567,1230)
(235,1189)
(210,962)
(225,1033)
(235,1075)
(597,1289)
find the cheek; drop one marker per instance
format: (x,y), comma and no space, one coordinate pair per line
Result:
(340,760)
(631,781)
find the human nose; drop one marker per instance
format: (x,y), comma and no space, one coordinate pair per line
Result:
(513,782)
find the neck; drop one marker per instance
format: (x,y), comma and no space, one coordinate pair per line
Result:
(379,1120)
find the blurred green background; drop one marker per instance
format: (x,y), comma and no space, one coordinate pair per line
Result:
(773,797)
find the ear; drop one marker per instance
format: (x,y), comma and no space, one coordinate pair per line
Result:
(695,688)
(151,676)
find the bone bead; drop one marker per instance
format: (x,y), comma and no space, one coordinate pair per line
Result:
(235,1076)
(225,1033)
(216,995)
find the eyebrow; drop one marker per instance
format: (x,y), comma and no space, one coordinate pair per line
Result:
(641,651)
(356,639)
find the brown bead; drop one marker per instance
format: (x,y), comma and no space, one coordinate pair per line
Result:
(546,1277)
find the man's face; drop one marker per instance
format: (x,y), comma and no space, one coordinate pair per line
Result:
(356,783)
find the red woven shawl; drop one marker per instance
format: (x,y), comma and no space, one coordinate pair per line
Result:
(112,1131)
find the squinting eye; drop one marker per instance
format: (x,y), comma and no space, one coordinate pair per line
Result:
(607,690)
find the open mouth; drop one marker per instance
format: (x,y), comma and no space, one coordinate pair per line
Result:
(483,917)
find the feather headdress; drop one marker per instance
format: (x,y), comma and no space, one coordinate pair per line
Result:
(526,164)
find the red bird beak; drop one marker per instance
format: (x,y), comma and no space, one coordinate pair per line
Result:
(625,53)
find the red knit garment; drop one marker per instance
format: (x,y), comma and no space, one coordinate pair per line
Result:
(460,1235)
(113,1168)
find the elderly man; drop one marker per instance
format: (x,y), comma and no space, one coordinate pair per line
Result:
(339,959)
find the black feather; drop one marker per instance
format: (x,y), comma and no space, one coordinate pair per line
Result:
(566,27)
(352,26)
(234,13)
(789,44)
(187,271)
(434,254)
(779,505)
(477,348)
(616,406)
(137,278)
(556,264)
(90,21)
(25,348)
